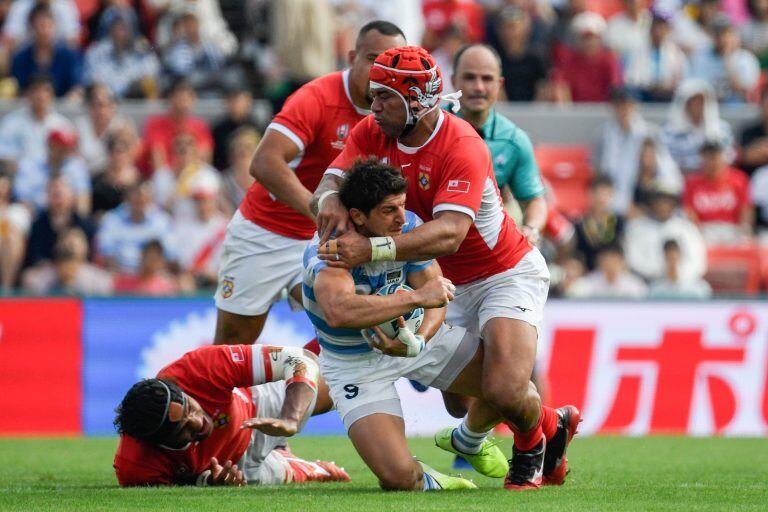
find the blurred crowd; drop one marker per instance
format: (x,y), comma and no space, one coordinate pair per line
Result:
(97,205)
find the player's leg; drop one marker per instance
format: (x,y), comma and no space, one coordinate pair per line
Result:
(233,329)
(256,266)
(268,459)
(509,315)
(380,440)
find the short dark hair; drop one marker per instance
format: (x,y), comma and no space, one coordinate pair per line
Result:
(601,181)
(40,79)
(460,52)
(143,412)
(179,84)
(613,248)
(39,9)
(368,182)
(382,27)
(671,245)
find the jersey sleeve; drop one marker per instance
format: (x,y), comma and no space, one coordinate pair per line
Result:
(356,146)
(462,178)
(211,372)
(136,464)
(525,178)
(300,117)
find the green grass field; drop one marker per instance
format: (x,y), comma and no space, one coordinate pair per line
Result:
(608,473)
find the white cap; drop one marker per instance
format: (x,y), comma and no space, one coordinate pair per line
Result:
(588,22)
(205,183)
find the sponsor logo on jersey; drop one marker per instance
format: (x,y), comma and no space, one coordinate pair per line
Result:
(424,181)
(394,276)
(458,186)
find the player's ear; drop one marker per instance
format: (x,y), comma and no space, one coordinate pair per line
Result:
(357,216)
(351,54)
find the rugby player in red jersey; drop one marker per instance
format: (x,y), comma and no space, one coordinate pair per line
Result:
(501,279)
(220,415)
(267,236)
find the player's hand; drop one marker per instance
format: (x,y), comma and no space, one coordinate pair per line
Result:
(333,216)
(436,293)
(346,251)
(273,426)
(228,474)
(387,346)
(531,234)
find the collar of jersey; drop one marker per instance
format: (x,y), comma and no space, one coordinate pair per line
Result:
(345,81)
(412,151)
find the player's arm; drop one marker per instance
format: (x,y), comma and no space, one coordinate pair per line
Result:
(330,214)
(527,187)
(534,217)
(343,308)
(433,318)
(270,168)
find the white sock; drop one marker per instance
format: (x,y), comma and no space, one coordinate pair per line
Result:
(430,484)
(467,441)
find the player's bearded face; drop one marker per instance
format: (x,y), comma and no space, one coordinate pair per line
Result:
(193,424)
(388,112)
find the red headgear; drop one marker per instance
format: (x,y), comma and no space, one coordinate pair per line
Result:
(411,73)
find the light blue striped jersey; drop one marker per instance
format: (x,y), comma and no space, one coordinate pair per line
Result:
(368,278)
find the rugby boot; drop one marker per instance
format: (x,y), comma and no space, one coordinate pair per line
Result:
(447,482)
(555,461)
(489,461)
(526,468)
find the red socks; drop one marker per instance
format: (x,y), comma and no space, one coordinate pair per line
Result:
(546,426)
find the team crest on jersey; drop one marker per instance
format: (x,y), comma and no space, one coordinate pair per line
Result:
(222,420)
(424,180)
(227,287)
(341,133)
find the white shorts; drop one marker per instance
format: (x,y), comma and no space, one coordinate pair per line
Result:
(260,464)
(364,384)
(518,293)
(257,265)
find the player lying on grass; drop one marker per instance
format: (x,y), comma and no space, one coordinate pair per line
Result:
(219,416)
(341,303)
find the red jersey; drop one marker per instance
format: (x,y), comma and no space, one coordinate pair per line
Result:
(218,377)
(718,200)
(451,171)
(317,118)
(590,78)
(160,131)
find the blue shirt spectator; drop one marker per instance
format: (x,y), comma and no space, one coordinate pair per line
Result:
(733,71)
(44,54)
(127,66)
(127,228)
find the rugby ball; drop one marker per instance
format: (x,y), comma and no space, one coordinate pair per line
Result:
(412,320)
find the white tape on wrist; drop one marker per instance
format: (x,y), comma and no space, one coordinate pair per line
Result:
(383,248)
(324,196)
(202,479)
(413,342)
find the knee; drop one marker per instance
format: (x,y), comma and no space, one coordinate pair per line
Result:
(398,478)
(509,395)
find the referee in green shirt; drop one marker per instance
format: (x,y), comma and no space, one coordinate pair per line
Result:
(477,73)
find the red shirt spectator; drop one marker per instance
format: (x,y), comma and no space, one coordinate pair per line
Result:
(442,15)
(160,131)
(720,198)
(588,72)
(717,199)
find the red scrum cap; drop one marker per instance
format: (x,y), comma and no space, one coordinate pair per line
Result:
(411,73)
